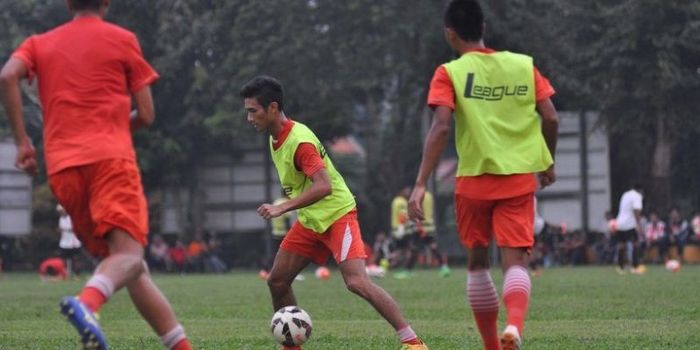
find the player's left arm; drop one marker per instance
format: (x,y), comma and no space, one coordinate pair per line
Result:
(320,188)
(10,77)
(435,143)
(550,130)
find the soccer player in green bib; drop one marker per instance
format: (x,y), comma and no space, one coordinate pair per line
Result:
(506,133)
(326,214)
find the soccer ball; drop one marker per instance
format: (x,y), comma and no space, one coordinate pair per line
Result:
(323,273)
(673,265)
(291,326)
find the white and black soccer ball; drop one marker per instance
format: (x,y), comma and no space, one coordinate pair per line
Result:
(291,326)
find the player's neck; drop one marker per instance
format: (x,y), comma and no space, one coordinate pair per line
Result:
(467,46)
(88,13)
(277,128)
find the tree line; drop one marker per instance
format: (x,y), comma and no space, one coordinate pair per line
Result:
(363,67)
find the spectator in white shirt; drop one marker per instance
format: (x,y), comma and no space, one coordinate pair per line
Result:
(629,228)
(69,243)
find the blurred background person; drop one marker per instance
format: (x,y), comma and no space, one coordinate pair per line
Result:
(427,233)
(69,244)
(678,231)
(158,254)
(53,270)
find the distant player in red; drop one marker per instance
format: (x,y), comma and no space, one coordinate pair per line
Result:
(506,133)
(53,270)
(89,72)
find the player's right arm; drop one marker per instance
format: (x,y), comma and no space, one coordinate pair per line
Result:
(320,188)
(10,77)
(144,114)
(435,143)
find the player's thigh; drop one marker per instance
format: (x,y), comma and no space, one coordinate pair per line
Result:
(303,242)
(71,189)
(474,221)
(344,239)
(513,222)
(117,200)
(287,266)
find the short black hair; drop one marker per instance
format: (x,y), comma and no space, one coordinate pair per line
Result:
(80,5)
(266,90)
(466,18)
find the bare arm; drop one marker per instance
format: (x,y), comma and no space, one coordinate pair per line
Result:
(10,77)
(320,188)
(550,130)
(435,143)
(144,115)
(638,220)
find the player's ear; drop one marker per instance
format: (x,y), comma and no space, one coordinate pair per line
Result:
(273,107)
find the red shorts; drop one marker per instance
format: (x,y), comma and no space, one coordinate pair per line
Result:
(511,220)
(342,239)
(100,197)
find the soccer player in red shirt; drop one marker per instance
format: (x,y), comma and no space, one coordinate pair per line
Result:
(88,72)
(53,270)
(502,143)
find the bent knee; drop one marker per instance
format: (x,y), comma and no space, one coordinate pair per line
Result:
(277,282)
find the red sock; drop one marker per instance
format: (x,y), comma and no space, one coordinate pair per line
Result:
(415,341)
(183,344)
(516,295)
(92,298)
(483,300)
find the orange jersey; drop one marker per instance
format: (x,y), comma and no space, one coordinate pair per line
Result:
(486,186)
(87,70)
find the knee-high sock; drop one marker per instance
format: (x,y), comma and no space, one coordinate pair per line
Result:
(483,300)
(176,339)
(96,292)
(516,296)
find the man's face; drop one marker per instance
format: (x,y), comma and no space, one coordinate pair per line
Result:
(258,116)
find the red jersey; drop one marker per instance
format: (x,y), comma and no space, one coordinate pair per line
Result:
(487,186)
(87,70)
(306,157)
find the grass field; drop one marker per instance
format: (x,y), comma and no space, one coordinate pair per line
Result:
(572,308)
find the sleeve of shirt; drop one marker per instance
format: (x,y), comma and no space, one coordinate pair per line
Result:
(307,159)
(139,72)
(441,91)
(26,52)
(543,89)
(637,203)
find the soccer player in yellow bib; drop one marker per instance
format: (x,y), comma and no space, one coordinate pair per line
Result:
(427,231)
(326,214)
(506,132)
(403,232)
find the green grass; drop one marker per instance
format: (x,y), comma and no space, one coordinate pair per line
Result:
(571,308)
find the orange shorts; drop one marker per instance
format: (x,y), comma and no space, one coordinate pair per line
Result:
(342,239)
(510,220)
(100,197)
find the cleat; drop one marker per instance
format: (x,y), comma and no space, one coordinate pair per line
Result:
(420,346)
(510,340)
(85,322)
